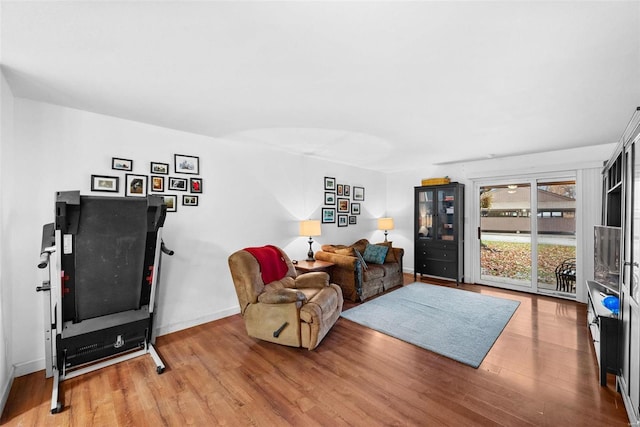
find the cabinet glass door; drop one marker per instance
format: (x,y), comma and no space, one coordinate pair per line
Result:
(630,309)
(446,203)
(426,211)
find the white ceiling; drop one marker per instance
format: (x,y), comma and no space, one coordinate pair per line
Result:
(385,85)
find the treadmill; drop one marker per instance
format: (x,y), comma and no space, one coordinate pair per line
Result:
(101,262)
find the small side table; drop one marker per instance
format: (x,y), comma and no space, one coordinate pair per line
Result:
(308,267)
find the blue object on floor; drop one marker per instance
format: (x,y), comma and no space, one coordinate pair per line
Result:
(612,303)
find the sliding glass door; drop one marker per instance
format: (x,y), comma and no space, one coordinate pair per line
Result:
(526,235)
(505,234)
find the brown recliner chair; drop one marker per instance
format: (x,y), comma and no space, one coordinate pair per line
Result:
(294,310)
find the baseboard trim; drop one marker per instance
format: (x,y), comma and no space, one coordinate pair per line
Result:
(175,327)
(38,365)
(6,389)
(28,368)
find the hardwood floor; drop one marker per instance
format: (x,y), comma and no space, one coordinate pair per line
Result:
(541,372)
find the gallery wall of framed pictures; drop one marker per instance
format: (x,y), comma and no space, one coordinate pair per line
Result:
(158,180)
(342,203)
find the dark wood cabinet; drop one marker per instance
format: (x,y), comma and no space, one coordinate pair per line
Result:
(621,207)
(439,231)
(603,325)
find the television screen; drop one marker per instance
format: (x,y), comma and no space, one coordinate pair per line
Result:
(606,253)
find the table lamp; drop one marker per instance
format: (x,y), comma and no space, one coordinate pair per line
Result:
(310,228)
(385,224)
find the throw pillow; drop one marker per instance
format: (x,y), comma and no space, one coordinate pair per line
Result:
(391,256)
(375,254)
(362,261)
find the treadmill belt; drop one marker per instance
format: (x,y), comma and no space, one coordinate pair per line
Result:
(109,256)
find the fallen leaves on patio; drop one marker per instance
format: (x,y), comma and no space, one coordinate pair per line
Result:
(513,260)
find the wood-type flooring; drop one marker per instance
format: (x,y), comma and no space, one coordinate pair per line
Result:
(540,372)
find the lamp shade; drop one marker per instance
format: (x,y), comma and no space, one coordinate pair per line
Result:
(385,223)
(310,228)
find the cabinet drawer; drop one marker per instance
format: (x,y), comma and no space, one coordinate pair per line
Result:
(436,245)
(440,268)
(436,254)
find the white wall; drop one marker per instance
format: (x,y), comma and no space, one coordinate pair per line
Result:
(252,196)
(6,321)
(584,162)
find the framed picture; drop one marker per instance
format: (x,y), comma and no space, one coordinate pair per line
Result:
(355,208)
(347,190)
(121,164)
(329,198)
(179,184)
(190,200)
(187,164)
(340,190)
(171,202)
(329,183)
(104,183)
(343,220)
(358,193)
(157,184)
(353,220)
(343,205)
(195,185)
(328,215)
(159,168)
(136,185)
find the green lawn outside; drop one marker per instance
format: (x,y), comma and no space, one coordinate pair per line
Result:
(513,260)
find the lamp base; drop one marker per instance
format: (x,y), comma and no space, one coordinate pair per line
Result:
(310,257)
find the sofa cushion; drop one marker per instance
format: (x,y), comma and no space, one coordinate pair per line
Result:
(360,245)
(345,251)
(332,248)
(375,254)
(373,272)
(391,256)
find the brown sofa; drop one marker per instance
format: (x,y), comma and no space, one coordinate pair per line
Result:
(359,282)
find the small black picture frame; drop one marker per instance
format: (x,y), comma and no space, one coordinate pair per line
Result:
(171,201)
(136,185)
(189,200)
(186,164)
(159,168)
(343,220)
(353,220)
(355,208)
(329,183)
(121,164)
(195,185)
(358,194)
(328,215)
(178,184)
(343,205)
(157,184)
(109,184)
(329,198)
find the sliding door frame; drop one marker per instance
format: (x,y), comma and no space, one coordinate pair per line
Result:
(532,180)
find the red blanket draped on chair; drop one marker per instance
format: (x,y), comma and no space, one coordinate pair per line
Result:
(272,264)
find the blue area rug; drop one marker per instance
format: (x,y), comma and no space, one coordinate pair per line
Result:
(459,324)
